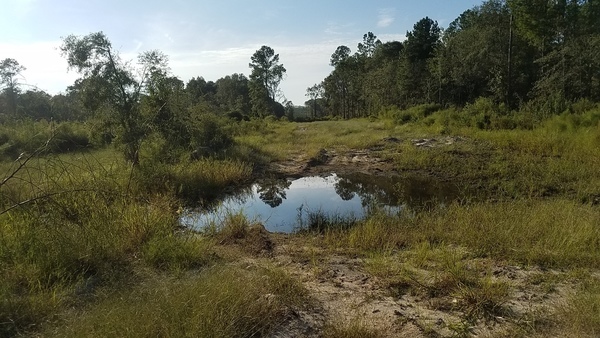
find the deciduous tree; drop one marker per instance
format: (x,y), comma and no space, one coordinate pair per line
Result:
(115,83)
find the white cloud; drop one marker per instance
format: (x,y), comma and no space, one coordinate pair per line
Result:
(391,37)
(306,64)
(337,29)
(386,17)
(46,69)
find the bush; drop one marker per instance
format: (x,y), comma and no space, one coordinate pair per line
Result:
(572,121)
(482,111)
(211,131)
(412,114)
(28,137)
(69,137)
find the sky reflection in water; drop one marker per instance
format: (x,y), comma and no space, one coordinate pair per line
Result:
(284,205)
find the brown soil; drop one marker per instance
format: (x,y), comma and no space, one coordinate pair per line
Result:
(327,161)
(346,161)
(345,293)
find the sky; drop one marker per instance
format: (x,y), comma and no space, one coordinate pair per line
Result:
(210,39)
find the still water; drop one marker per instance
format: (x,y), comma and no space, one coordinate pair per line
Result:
(284,205)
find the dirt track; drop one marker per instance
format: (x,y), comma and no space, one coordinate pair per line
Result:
(345,293)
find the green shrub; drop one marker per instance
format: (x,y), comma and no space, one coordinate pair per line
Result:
(582,106)
(69,137)
(412,114)
(209,130)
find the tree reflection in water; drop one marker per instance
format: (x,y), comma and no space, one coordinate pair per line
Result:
(284,205)
(371,190)
(272,191)
(345,188)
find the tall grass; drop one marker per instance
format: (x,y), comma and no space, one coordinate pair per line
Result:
(44,255)
(71,223)
(193,181)
(27,136)
(580,316)
(546,232)
(514,164)
(218,302)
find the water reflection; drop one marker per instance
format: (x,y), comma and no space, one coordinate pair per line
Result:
(285,205)
(272,191)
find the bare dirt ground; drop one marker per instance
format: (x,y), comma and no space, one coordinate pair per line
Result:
(345,293)
(369,161)
(327,161)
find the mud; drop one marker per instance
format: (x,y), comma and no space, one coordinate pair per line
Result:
(372,161)
(366,161)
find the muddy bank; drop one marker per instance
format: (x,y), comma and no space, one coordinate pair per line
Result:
(328,161)
(376,160)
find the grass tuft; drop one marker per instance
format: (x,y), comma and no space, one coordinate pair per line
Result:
(219,302)
(581,314)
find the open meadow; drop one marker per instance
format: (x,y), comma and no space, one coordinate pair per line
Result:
(90,246)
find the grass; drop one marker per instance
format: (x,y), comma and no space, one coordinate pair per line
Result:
(441,275)
(550,233)
(580,316)
(27,136)
(533,203)
(204,179)
(321,222)
(218,302)
(279,139)
(45,253)
(72,224)
(90,247)
(512,165)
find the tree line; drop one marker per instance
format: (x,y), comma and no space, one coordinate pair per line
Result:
(107,81)
(541,53)
(134,102)
(515,53)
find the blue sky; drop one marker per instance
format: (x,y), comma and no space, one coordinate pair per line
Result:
(209,38)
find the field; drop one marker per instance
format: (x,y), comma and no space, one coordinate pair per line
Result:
(90,246)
